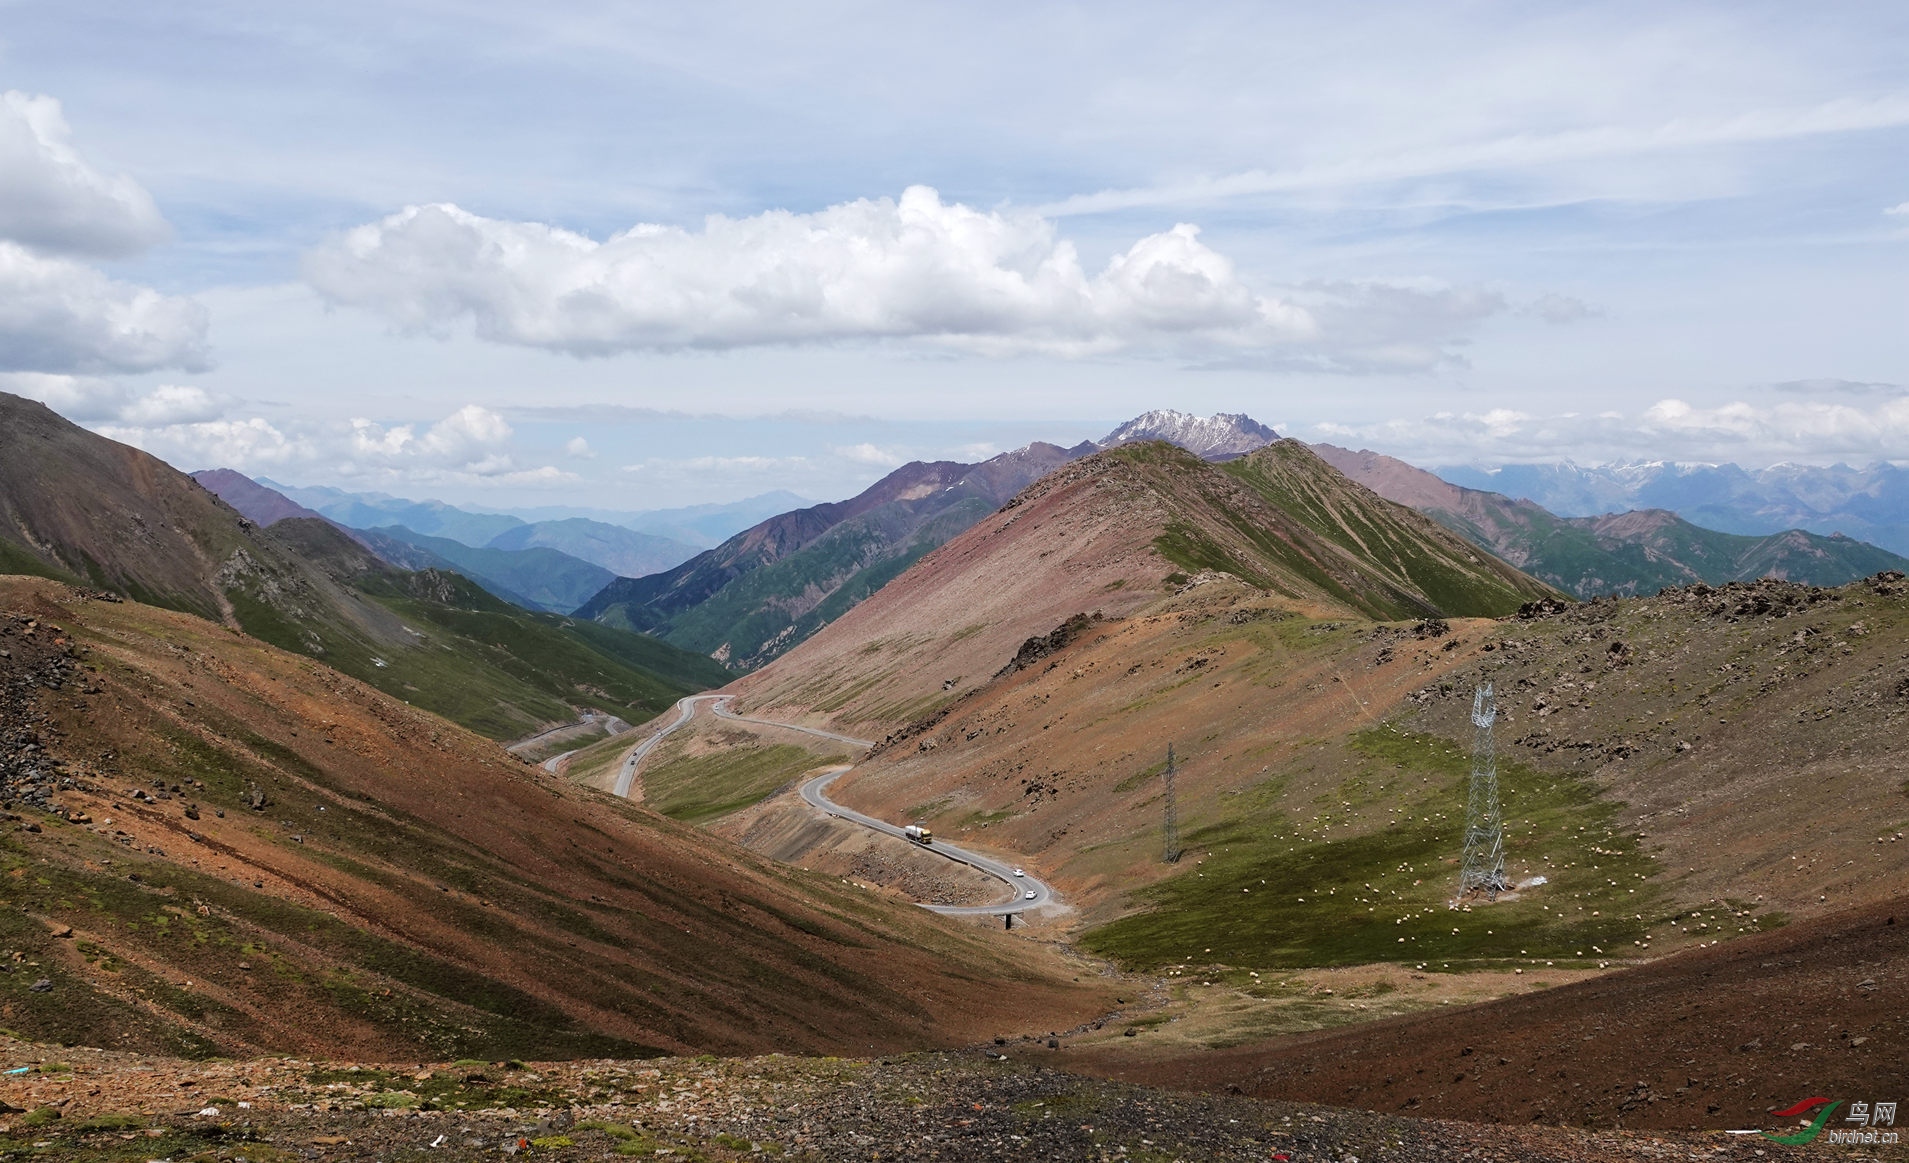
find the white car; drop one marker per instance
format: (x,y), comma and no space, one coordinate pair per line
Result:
(1029,894)
(1018,872)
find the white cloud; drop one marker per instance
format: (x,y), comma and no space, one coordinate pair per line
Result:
(471,446)
(472,440)
(57,315)
(915,268)
(85,400)
(579,448)
(1898,208)
(54,202)
(81,399)
(249,444)
(866,453)
(172,404)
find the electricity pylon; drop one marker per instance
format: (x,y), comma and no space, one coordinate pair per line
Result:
(1483,868)
(1170,828)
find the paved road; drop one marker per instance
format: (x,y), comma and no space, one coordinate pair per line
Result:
(610,723)
(686,710)
(815,792)
(722,711)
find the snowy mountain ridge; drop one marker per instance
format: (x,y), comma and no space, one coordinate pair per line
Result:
(1222,436)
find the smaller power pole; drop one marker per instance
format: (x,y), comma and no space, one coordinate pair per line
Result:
(1170,828)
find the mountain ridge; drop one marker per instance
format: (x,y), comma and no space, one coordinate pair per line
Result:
(79,507)
(1634,552)
(1113,533)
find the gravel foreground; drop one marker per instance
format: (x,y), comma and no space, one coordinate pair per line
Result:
(93,1105)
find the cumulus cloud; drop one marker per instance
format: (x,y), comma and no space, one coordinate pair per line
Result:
(57,315)
(249,444)
(1898,208)
(90,400)
(866,453)
(52,201)
(472,446)
(580,448)
(472,440)
(914,268)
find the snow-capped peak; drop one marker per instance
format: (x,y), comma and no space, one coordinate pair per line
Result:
(1222,436)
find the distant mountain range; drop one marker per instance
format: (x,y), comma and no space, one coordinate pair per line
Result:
(1635,552)
(536,578)
(1871,504)
(695,526)
(775,583)
(553,565)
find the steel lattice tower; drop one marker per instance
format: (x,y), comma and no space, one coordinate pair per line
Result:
(1483,868)
(1170,827)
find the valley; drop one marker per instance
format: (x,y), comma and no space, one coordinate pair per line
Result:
(223,846)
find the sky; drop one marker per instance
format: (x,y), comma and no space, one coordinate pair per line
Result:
(640,255)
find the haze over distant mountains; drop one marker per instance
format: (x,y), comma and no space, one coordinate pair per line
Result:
(1636,552)
(696,526)
(1871,504)
(775,583)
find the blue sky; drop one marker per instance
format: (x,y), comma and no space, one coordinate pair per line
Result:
(600,254)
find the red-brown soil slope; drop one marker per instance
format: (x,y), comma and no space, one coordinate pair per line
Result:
(1710,1038)
(1109,534)
(223,847)
(1059,760)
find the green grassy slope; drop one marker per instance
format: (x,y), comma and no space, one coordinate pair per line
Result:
(770,610)
(1278,891)
(474,658)
(1291,524)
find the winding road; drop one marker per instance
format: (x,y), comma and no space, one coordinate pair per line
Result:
(686,710)
(814,792)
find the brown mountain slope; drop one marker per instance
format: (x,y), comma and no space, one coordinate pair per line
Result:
(266,856)
(770,587)
(1709,1038)
(75,505)
(1109,534)
(253,500)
